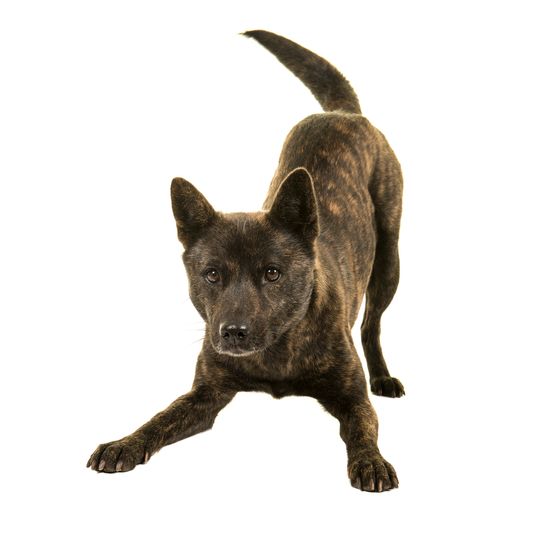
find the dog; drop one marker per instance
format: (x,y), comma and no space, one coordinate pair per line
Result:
(280,289)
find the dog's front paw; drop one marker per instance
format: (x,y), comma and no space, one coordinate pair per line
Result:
(372,473)
(119,456)
(386,386)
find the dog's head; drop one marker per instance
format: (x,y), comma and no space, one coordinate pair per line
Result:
(251,275)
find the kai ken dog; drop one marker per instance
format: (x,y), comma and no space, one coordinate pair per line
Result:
(280,289)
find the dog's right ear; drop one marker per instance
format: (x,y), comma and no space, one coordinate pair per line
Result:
(192,211)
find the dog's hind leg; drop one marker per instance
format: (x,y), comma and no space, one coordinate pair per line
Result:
(386,192)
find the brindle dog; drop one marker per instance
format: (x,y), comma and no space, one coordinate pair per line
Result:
(280,289)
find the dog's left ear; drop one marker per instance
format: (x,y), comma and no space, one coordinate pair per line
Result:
(295,205)
(193,213)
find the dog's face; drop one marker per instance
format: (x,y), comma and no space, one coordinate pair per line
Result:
(251,275)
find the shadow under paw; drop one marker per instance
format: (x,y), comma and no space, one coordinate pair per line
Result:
(386,386)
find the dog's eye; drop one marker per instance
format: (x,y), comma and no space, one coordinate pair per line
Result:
(272,274)
(212,275)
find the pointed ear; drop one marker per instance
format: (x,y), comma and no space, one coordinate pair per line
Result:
(192,211)
(295,205)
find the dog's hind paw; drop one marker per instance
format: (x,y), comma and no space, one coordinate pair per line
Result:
(386,386)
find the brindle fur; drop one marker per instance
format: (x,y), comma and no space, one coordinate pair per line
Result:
(331,225)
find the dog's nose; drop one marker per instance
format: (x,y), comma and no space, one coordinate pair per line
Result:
(234,335)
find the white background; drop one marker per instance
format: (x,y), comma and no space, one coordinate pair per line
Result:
(102,103)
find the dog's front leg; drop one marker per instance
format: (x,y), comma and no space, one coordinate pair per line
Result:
(367,469)
(188,415)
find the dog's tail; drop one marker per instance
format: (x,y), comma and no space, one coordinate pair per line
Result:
(327,84)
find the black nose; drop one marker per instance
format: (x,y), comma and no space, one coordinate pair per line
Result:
(234,335)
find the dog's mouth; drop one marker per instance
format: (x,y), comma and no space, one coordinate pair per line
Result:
(237,351)
(237,343)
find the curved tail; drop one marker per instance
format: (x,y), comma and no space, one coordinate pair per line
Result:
(327,84)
